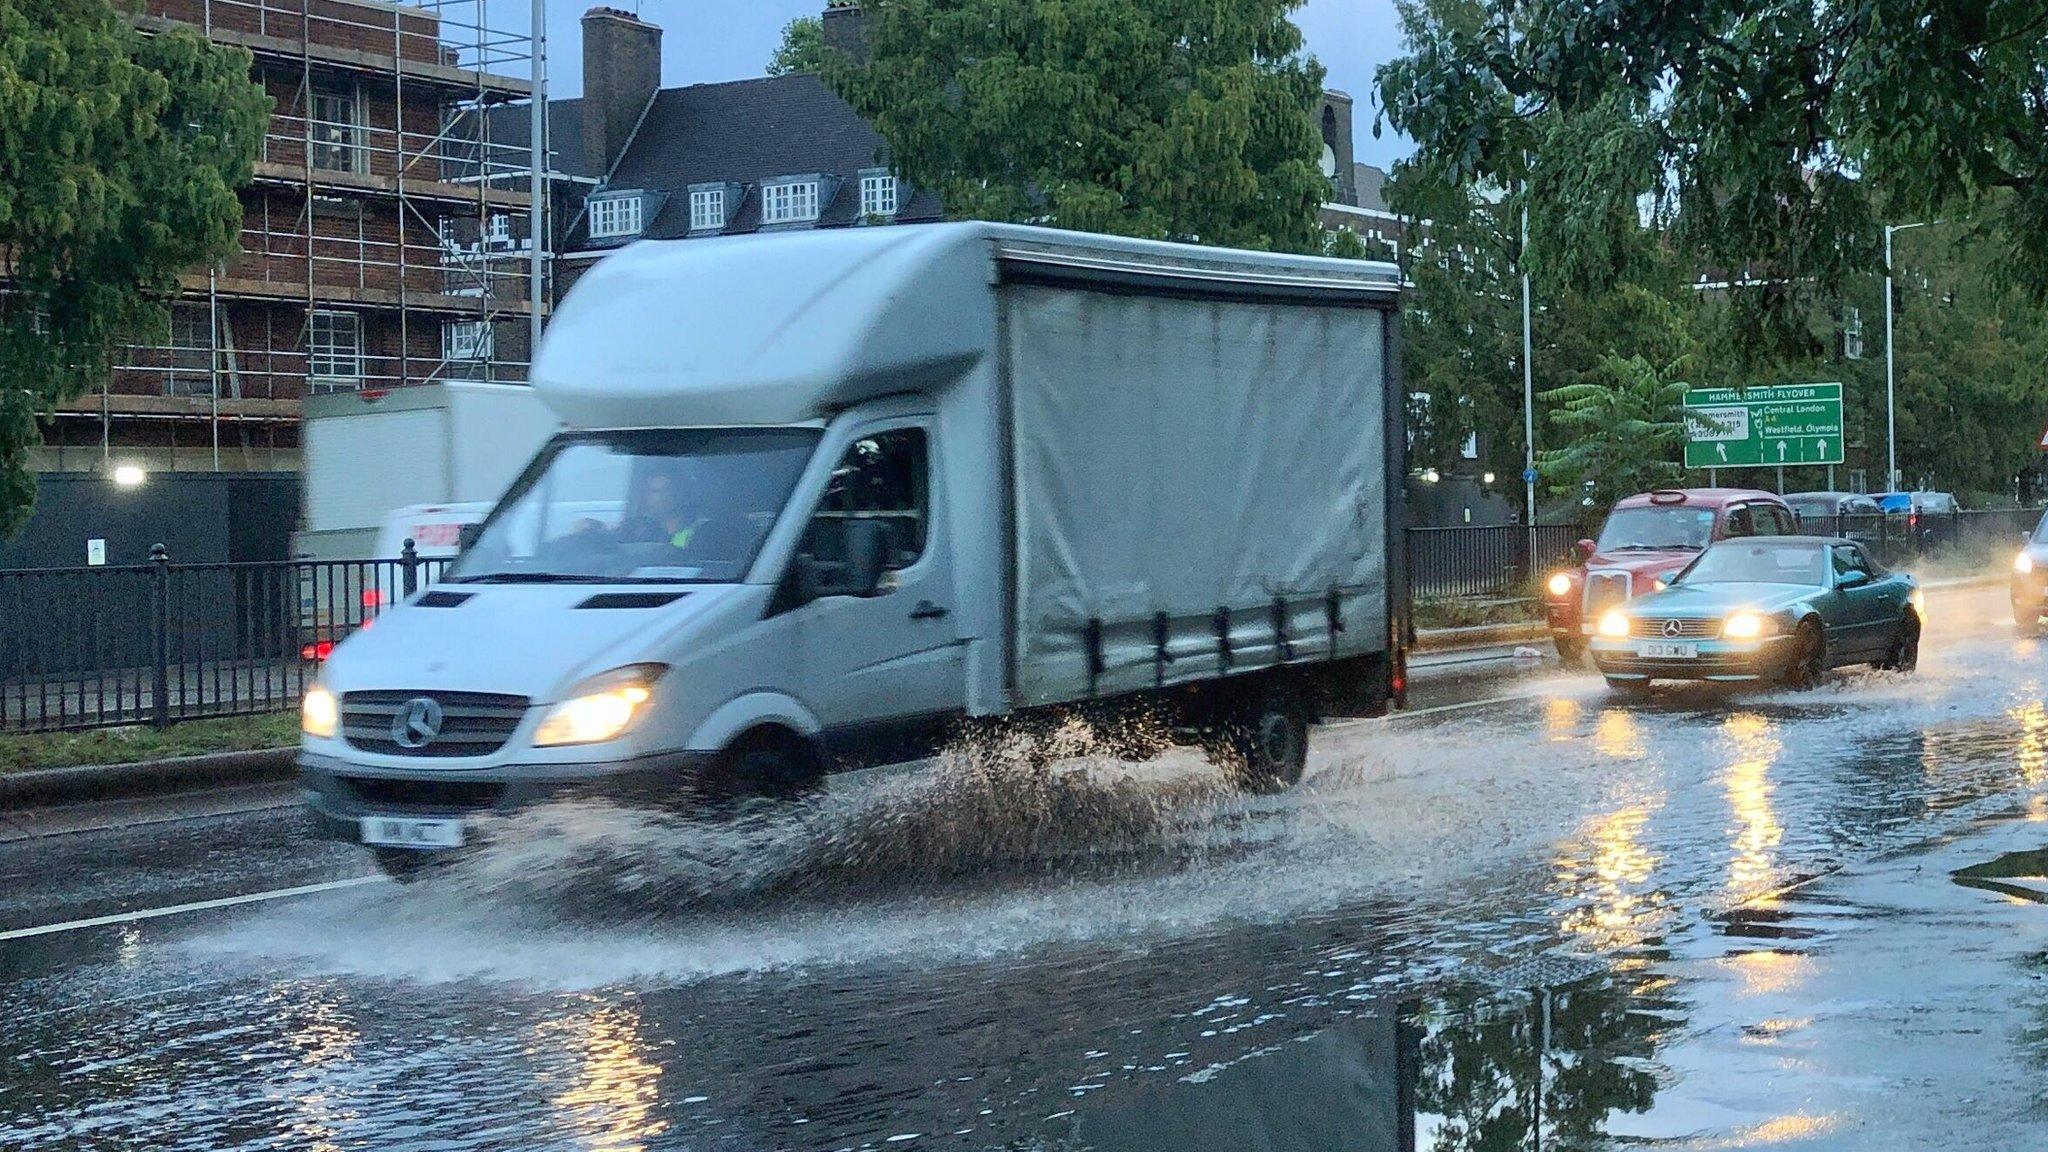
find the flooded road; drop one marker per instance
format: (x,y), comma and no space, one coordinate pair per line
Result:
(1531,916)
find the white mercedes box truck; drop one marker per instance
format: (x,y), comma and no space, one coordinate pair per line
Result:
(820,496)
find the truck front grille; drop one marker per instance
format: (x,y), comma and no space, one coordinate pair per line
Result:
(1604,590)
(471,723)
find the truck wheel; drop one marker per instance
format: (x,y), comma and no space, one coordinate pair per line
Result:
(1571,651)
(407,865)
(1265,748)
(768,762)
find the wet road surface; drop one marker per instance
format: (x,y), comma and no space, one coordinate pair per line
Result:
(1557,919)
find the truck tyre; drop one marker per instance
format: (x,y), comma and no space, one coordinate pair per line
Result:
(1264,748)
(407,865)
(766,762)
(1571,651)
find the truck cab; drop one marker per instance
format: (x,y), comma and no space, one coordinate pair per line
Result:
(1647,538)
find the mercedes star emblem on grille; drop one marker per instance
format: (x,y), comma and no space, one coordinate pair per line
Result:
(417,723)
(1674,627)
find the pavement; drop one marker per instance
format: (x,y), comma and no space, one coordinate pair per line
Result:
(1522,914)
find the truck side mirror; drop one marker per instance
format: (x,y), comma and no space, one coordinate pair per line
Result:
(867,555)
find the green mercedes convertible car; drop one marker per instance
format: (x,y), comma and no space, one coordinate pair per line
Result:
(1773,609)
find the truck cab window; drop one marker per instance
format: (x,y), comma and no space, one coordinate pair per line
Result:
(884,477)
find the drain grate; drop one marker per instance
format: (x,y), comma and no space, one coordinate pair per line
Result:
(1547,971)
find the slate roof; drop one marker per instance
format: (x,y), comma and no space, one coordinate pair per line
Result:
(744,132)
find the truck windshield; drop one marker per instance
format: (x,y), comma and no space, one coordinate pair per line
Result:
(1640,529)
(641,506)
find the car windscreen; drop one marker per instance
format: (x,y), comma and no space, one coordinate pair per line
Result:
(1657,527)
(646,505)
(1755,562)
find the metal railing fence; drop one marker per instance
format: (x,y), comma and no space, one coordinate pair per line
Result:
(1483,560)
(159,642)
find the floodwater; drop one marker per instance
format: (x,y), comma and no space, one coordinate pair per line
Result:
(1708,919)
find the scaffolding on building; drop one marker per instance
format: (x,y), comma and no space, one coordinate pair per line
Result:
(388,234)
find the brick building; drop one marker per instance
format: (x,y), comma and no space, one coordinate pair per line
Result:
(383,240)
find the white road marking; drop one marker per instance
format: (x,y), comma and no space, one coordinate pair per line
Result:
(195,906)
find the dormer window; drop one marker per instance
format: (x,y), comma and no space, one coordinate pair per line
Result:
(615,216)
(879,194)
(790,202)
(707,209)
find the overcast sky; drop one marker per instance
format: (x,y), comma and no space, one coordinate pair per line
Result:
(710,40)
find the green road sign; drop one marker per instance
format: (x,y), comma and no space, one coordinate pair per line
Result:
(1765,425)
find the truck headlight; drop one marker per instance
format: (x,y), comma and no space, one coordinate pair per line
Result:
(318,715)
(1743,626)
(601,708)
(2023,563)
(1560,584)
(1614,623)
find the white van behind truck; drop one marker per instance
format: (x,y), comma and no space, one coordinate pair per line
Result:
(825,494)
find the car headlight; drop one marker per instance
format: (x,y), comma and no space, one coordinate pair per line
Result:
(1743,626)
(1560,584)
(318,715)
(2023,563)
(1614,623)
(601,708)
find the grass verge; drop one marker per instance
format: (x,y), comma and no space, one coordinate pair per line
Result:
(1461,613)
(20,752)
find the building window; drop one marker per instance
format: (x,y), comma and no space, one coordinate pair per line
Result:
(191,351)
(466,340)
(707,209)
(878,195)
(498,230)
(1852,334)
(337,132)
(789,203)
(336,349)
(615,216)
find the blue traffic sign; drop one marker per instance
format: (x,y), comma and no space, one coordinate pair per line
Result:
(1529,477)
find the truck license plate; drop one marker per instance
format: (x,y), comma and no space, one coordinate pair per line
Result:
(405,832)
(1663,651)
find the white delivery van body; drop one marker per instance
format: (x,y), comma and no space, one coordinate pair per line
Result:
(820,495)
(371,453)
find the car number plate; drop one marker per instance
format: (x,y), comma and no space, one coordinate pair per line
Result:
(406,832)
(1663,651)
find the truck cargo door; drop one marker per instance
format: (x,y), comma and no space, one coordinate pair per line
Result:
(896,655)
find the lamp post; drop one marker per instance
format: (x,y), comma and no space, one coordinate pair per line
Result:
(1891,422)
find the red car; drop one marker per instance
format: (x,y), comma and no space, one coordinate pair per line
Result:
(1646,539)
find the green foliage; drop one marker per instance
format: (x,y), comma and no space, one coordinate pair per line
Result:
(1773,134)
(1154,118)
(1622,430)
(802,48)
(120,154)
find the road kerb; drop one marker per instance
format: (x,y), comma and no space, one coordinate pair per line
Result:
(88,782)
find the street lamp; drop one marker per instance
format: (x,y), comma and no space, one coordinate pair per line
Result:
(1891,424)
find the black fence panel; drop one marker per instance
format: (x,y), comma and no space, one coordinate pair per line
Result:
(1903,537)
(1490,560)
(161,642)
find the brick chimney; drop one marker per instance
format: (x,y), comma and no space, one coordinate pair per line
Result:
(845,28)
(621,72)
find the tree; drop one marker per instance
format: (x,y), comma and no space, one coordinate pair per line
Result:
(120,154)
(802,48)
(1773,133)
(1152,118)
(1623,431)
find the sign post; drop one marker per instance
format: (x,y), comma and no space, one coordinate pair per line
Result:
(1768,425)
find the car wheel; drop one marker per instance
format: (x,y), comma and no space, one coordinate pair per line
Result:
(2026,623)
(1265,748)
(1571,651)
(1810,659)
(1904,653)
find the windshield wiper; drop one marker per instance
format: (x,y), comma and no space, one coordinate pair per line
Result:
(1652,548)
